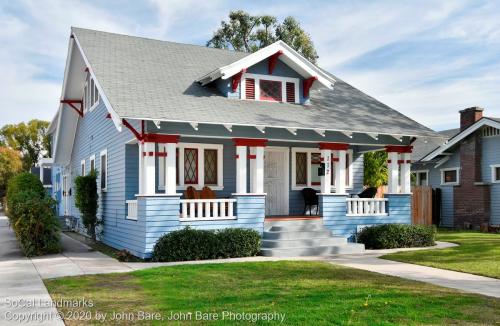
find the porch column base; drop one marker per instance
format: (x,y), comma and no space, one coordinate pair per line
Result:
(399,208)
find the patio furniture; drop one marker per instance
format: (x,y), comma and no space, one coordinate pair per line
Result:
(310,199)
(369,192)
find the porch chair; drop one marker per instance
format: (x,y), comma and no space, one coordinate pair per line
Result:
(191,193)
(208,193)
(310,199)
(369,192)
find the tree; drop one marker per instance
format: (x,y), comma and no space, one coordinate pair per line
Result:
(30,139)
(86,201)
(10,165)
(375,169)
(249,33)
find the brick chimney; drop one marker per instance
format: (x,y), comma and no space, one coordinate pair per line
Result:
(469,116)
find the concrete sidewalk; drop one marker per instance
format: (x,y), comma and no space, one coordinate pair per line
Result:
(77,259)
(456,280)
(24,300)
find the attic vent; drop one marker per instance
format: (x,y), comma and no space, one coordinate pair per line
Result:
(290,92)
(250,89)
(490,131)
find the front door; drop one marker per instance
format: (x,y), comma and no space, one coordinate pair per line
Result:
(276,180)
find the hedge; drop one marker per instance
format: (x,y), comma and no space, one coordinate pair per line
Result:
(190,244)
(387,236)
(31,213)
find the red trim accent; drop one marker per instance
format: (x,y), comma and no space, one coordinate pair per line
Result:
(398,149)
(237,79)
(273,60)
(250,142)
(161,154)
(72,36)
(236,156)
(408,161)
(334,146)
(335,159)
(401,161)
(131,128)
(252,156)
(315,183)
(161,138)
(86,69)
(149,153)
(389,161)
(308,84)
(108,116)
(72,102)
(321,159)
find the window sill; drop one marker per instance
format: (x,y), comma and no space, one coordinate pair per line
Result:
(451,184)
(131,218)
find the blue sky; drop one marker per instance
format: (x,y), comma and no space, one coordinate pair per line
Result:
(427,59)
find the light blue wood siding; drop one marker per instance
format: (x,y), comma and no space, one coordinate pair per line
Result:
(491,156)
(333,211)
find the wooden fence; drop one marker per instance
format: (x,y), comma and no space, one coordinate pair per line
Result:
(422,205)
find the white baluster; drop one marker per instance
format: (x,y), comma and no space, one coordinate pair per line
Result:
(230,209)
(223,209)
(207,209)
(184,210)
(192,212)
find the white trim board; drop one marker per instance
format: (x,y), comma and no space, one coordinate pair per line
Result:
(258,77)
(494,177)
(456,183)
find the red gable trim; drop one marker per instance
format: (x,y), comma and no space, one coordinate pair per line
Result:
(250,142)
(334,146)
(308,84)
(237,80)
(398,149)
(72,104)
(273,60)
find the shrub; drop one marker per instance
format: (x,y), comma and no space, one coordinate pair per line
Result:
(387,236)
(35,223)
(24,182)
(190,244)
(86,201)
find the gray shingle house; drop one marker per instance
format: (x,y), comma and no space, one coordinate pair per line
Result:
(465,165)
(155,118)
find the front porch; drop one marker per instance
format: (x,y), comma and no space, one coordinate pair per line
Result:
(248,181)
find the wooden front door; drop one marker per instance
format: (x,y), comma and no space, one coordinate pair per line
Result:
(276,180)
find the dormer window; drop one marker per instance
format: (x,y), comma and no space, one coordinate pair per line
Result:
(269,88)
(90,95)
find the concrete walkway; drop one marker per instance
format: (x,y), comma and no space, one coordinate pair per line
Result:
(24,300)
(446,278)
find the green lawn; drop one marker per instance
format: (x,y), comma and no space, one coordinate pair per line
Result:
(478,253)
(308,293)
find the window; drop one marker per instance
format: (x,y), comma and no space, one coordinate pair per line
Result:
(305,164)
(103,171)
(82,168)
(270,88)
(92,163)
(90,95)
(421,178)
(495,173)
(450,176)
(198,165)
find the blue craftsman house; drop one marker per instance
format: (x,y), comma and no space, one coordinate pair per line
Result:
(159,120)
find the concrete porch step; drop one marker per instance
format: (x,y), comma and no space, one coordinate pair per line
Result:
(350,248)
(290,235)
(306,242)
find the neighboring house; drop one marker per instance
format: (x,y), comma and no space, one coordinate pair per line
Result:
(465,165)
(155,117)
(44,171)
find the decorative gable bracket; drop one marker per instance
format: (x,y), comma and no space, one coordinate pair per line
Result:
(237,79)
(72,104)
(308,84)
(273,60)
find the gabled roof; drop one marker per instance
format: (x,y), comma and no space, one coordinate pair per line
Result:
(156,80)
(288,55)
(485,121)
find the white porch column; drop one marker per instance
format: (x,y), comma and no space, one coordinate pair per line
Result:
(406,173)
(141,168)
(393,171)
(326,180)
(149,175)
(340,172)
(241,169)
(170,169)
(257,170)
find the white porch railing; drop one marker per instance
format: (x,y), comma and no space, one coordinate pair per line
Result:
(131,209)
(366,206)
(207,209)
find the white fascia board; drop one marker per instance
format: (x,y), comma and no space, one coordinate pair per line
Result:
(254,58)
(453,141)
(114,116)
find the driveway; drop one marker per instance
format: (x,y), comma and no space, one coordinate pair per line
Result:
(24,300)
